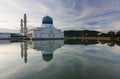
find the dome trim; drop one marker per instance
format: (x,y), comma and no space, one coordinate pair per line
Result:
(47,20)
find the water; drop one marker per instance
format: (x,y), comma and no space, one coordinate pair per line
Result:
(58,59)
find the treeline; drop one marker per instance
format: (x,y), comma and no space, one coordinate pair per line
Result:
(90,33)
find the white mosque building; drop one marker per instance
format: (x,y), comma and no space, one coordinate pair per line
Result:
(46,31)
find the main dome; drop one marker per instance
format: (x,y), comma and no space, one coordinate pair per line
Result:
(47,20)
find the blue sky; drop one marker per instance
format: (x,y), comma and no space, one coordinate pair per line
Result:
(101,15)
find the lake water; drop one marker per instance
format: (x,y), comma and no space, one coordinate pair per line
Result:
(59,59)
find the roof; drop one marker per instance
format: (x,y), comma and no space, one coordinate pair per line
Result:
(47,20)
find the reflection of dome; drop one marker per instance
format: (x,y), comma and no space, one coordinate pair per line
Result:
(47,57)
(47,20)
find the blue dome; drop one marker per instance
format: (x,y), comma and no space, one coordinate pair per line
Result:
(47,20)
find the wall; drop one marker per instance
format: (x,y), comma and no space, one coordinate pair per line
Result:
(4,35)
(47,33)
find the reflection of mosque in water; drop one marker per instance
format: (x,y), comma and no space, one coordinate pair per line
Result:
(47,47)
(91,42)
(5,42)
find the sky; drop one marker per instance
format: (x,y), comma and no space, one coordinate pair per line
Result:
(100,15)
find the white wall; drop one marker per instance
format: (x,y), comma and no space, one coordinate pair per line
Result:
(46,31)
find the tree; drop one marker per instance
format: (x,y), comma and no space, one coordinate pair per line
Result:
(111,34)
(118,34)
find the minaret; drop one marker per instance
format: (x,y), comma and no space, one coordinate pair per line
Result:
(25,25)
(21,27)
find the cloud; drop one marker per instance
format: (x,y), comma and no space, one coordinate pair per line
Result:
(70,14)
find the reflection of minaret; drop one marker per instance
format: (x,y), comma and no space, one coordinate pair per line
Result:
(25,25)
(21,49)
(25,51)
(25,56)
(24,47)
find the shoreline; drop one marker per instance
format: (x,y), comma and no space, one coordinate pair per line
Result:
(93,38)
(66,38)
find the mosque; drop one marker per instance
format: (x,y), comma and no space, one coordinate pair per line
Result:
(46,31)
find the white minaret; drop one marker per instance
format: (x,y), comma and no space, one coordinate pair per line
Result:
(25,25)
(21,24)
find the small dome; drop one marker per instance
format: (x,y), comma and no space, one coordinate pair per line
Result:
(47,20)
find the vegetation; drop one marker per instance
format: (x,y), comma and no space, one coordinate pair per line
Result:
(118,34)
(84,33)
(88,33)
(91,33)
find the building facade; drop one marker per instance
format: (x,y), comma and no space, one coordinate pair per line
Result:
(5,35)
(46,31)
